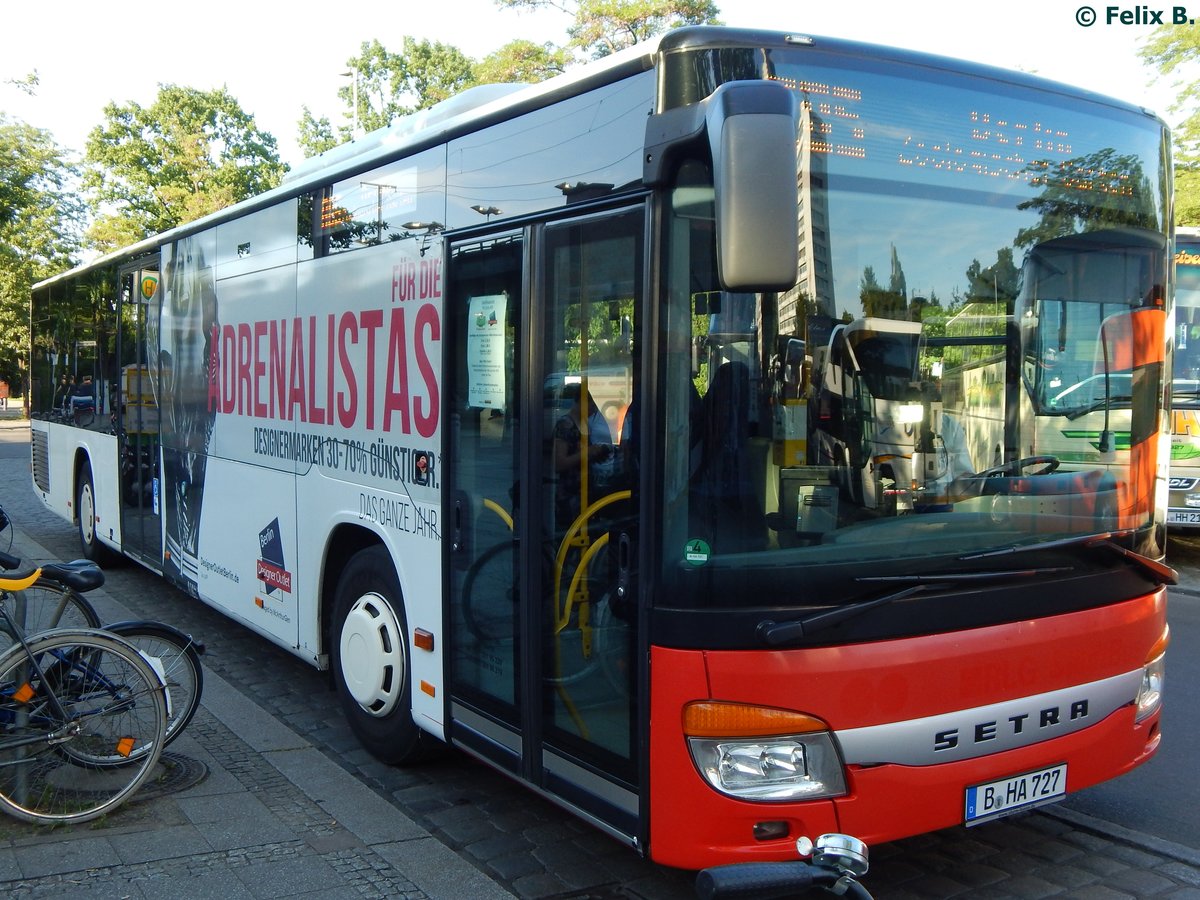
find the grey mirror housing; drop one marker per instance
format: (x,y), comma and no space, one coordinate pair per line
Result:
(752,133)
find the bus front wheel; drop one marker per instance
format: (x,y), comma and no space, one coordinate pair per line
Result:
(370,659)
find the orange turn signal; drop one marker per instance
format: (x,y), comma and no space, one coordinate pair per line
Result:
(1160,646)
(717,719)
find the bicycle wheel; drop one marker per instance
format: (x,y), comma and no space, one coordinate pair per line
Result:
(576,657)
(178,655)
(44,606)
(74,696)
(489,594)
(6,532)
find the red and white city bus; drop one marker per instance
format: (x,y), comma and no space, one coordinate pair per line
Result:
(507,416)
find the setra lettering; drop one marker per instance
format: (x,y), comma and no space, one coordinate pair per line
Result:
(983,732)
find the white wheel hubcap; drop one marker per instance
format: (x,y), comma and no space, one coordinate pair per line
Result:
(372,655)
(87,513)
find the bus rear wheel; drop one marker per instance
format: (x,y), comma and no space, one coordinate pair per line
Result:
(85,512)
(370,660)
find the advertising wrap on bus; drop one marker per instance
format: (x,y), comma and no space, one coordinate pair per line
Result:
(739,438)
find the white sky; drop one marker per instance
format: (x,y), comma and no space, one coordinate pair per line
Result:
(275,57)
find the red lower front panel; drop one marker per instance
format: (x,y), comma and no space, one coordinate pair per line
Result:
(856,686)
(891,802)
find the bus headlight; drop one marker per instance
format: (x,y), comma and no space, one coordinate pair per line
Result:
(735,750)
(1149,697)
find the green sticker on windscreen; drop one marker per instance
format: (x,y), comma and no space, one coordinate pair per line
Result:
(695,553)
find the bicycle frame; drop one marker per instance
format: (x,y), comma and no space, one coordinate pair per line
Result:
(7,588)
(10,587)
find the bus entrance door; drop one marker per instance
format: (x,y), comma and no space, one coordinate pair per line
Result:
(543,470)
(136,418)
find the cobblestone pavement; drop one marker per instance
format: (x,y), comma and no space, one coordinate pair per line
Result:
(537,851)
(241,806)
(279,841)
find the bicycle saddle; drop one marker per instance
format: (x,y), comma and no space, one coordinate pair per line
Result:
(80,574)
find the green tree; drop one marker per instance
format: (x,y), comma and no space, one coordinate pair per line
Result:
(434,72)
(1078,195)
(601,27)
(522,62)
(1171,49)
(38,209)
(870,292)
(999,282)
(189,153)
(887,303)
(386,86)
(929,310)
(26,85)
(315,135)
(897,283)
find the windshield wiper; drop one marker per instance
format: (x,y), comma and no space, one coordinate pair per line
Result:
(777,634)
(1079,411)
(1160,573)
(954,577)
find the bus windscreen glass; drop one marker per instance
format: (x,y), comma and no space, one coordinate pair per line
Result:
(981,318)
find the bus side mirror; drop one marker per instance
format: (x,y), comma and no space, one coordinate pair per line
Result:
(752,134)
(750,128)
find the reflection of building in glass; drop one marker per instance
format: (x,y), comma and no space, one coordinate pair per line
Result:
(814,285)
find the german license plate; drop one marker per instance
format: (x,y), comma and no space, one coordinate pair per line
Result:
(1178,517)
(994,799)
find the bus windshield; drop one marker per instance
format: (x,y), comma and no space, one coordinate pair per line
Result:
(981,311)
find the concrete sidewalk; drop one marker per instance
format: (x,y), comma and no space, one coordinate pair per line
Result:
(243,808)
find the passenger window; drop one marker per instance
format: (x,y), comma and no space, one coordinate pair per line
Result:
(403,200)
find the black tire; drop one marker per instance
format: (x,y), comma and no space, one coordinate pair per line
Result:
(46,605)
(369,655)
(7,530)
(85,516)
(179,656)
(113,702)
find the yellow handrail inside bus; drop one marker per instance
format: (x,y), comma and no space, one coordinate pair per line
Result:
(569,539)
(575,536)
(498,510)
(580,571)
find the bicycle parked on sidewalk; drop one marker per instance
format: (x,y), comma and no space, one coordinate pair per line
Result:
(56,600)
(83,717)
